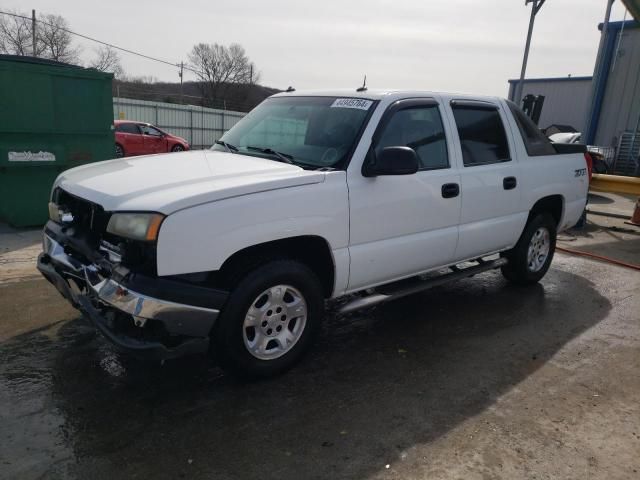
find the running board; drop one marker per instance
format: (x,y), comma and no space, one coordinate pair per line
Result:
(392,293)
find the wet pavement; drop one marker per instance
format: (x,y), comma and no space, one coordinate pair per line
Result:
(476,379)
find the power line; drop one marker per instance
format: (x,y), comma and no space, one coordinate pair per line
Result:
(111,45)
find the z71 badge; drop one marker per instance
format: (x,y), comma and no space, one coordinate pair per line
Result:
(581,172)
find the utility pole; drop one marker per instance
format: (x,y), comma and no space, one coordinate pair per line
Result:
(33,32)
(535,8)
(180,75)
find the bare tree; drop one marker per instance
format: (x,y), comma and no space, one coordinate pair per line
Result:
(52,33)
(107,60)
(53,41)
(219,66)
(15,35)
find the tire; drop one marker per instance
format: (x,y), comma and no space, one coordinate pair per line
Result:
(530,259)
(119,151)
(278,297)
(177,148)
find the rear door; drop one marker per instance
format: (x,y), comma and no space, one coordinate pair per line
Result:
(154,139)
(491,217)
(130,137)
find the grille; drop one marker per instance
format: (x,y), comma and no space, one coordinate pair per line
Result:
(88,217)
(90,222)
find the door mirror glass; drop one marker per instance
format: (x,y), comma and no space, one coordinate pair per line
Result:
(394,161)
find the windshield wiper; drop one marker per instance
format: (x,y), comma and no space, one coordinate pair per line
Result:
(230,148)
(283,157)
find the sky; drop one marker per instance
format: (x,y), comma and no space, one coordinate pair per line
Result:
(468,46)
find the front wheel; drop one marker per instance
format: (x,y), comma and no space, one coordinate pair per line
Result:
(177,148)
(530,259)
(269,320)
(119,151)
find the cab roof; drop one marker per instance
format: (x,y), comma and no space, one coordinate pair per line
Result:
(382,94)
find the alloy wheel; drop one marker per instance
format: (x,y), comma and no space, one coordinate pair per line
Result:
(274,322)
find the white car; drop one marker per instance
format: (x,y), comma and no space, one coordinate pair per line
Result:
(312,196)
(566,137)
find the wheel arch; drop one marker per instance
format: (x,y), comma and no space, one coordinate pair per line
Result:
(552,204)
(312,250)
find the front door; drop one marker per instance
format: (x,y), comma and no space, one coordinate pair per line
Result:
(490,185)
(154,140)
(406,224)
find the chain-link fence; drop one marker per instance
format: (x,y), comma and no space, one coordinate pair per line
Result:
(608,155)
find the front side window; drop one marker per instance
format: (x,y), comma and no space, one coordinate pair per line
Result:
(312,132)
(128,128)
(482,135)
(149,130)
(419,128)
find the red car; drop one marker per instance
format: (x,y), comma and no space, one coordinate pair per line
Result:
(138,138)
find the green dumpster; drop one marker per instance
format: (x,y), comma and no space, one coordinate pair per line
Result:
(53,116)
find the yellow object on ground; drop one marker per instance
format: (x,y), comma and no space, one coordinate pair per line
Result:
(615,183)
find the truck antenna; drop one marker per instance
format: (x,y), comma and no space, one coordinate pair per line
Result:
(363,88)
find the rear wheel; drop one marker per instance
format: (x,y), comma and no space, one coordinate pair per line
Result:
(269,320)
(177,148)
(530,259)
(119,151)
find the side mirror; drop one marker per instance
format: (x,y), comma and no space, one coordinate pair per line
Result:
(393,161)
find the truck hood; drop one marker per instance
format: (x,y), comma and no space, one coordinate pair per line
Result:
(169,182)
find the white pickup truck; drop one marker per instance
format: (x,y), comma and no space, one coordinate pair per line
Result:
(311,196)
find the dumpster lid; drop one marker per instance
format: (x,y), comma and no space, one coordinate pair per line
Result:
(37,60)
(52,63)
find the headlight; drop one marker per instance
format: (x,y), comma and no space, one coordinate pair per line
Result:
(58,215)
(54,212)
(136,226)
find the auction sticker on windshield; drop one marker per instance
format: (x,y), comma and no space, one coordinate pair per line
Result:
(358,103)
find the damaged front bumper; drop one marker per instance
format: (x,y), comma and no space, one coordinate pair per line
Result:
(152,317)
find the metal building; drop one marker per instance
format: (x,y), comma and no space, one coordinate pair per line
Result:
(566,99)
(606,108)
(615,112)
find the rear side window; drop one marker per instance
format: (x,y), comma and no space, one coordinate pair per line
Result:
(128,128)
(534,140)
(482,135)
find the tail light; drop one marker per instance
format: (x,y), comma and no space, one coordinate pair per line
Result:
(589,160)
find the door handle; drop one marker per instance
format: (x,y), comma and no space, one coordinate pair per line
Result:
(450,190)
(509,183)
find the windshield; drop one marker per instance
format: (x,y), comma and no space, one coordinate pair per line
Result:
(312,132)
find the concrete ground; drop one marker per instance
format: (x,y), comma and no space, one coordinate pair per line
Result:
(473,380)
(607,231)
